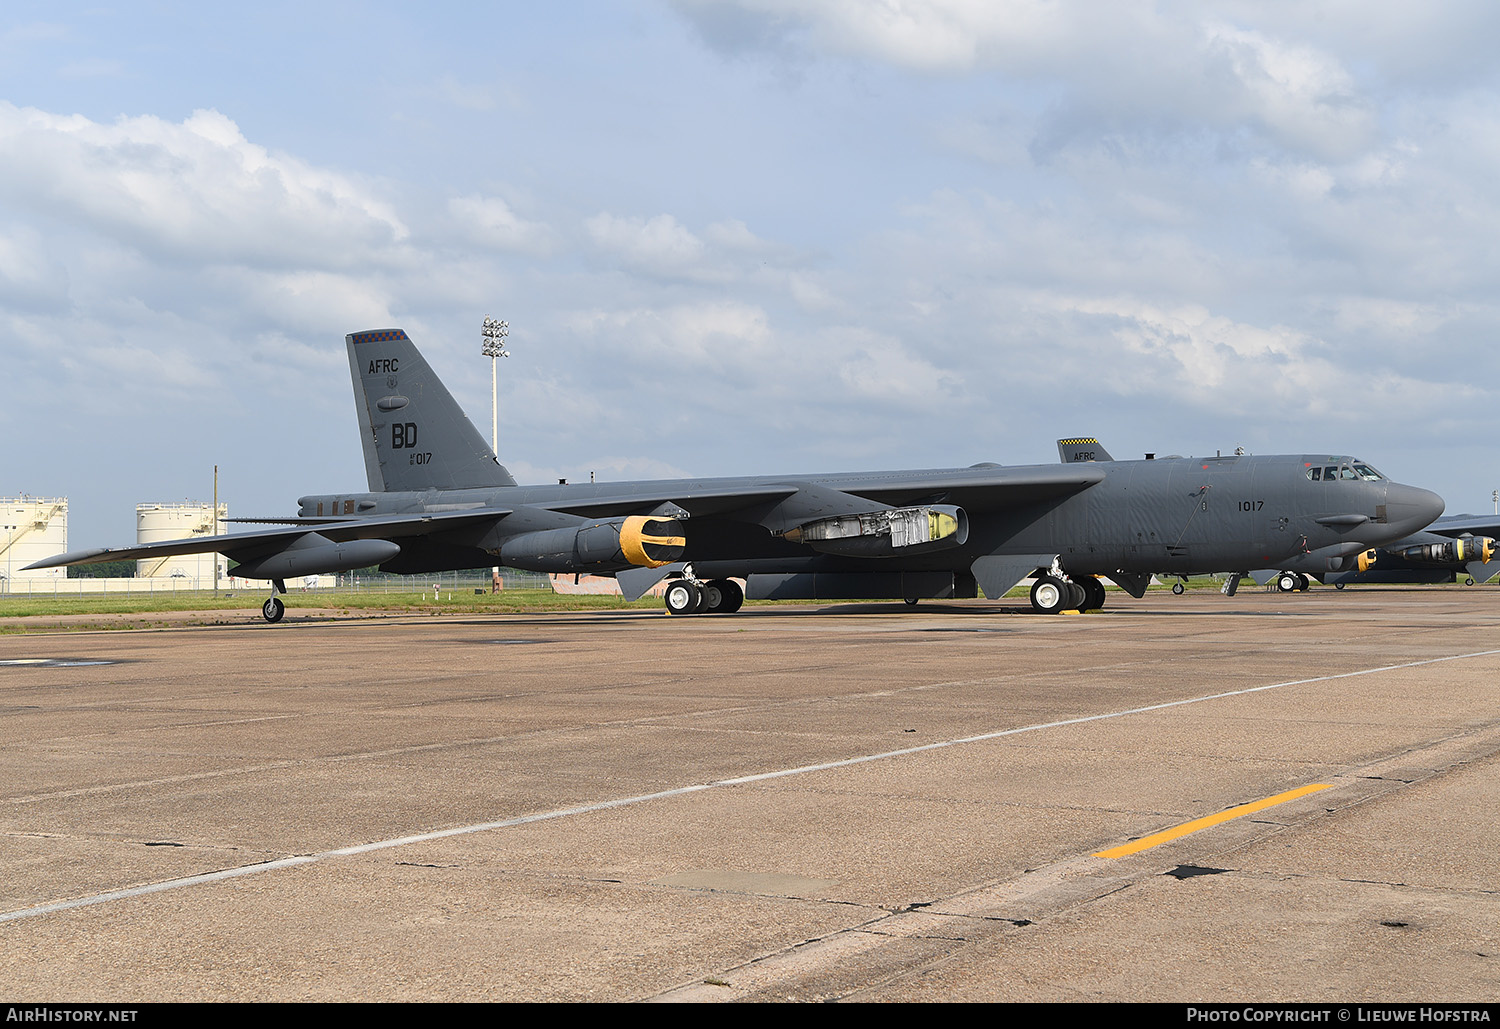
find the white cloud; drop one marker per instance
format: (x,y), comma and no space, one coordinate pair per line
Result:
(880,368)
(195,190)
(658,246)
(491,222)
(1114,67)
(1303,96)
(318,303)
(721,336)
(662,247)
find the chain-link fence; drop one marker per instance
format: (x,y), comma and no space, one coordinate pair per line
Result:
(473,579)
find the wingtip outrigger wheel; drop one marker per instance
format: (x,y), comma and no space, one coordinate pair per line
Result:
(273,608)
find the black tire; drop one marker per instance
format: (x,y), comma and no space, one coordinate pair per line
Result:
(1078,596)
(272,610)
(731,597)
(1302,583)
(1469,581)
(713,598)
(1177,588)
(1286,582)
(683,597)
(1094,591)
(911,601)
(1339,585)
(1049,595)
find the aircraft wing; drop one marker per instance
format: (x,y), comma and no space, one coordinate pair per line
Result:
(384,527)
(701,502)
(1473,525)
(991,488)
(983,488)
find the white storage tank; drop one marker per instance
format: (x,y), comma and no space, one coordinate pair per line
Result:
(158,523)
(32,528)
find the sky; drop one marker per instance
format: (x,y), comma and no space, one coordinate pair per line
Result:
(744,237)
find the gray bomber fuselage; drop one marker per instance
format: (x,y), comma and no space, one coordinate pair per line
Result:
(1180,515)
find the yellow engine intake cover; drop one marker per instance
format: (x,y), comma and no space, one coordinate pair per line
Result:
(651,542)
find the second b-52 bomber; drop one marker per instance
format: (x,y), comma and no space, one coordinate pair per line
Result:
(1458,544)
(439,499)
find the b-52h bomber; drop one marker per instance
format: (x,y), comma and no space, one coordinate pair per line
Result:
(439,499)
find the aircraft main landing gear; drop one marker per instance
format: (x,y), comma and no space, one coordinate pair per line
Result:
(716,597)
(1052,593)
(1290,582)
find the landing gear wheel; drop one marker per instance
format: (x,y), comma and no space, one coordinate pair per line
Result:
(1093,593)
(911,601)
(1302,583)
(1469,581)
(1286,582)
(272,610)
(723,597)
(1177,588)
(683,597)
(1339,585)
(1049,595)
(1078,597)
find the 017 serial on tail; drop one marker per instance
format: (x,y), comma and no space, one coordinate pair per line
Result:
(439,499)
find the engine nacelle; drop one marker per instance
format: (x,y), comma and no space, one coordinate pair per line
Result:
(1339,557)
(1452,552)
(640,541)
(890,533)
(314,554)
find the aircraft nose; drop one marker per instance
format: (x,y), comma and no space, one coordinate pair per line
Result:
(1410,508)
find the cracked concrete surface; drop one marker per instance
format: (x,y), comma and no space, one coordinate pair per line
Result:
(757,862)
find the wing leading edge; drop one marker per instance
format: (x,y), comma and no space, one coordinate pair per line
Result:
(234,544)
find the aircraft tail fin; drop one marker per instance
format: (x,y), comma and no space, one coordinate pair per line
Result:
(415,436)
(1082,448)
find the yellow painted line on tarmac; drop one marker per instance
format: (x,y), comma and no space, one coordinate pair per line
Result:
(1158,838)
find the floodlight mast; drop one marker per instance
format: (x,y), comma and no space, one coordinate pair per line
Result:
(494,333)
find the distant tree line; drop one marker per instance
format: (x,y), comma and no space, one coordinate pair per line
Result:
(103,570)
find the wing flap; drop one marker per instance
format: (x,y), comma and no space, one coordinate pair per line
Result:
(986,488)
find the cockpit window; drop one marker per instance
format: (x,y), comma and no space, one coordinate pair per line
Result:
(1315,474)
(1364,471)
(1330,473)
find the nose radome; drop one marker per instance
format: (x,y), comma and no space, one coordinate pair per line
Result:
(1411,508)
